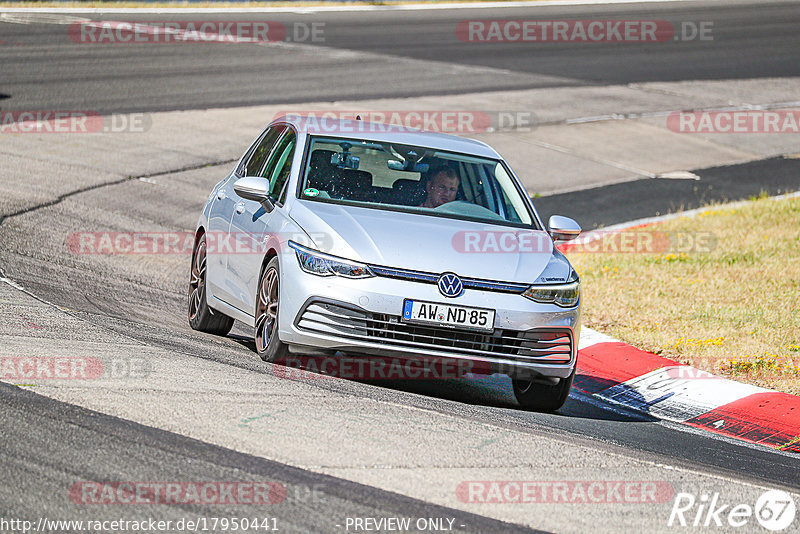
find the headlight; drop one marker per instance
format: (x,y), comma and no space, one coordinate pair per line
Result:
(315,262)
(564,295)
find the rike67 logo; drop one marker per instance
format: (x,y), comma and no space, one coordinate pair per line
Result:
(774,510)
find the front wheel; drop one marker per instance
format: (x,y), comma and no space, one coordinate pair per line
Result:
(542,397)
(268,345)
(200,315)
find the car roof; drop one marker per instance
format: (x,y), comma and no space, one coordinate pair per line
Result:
(373,131)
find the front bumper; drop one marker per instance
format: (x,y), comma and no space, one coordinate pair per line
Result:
(362,316)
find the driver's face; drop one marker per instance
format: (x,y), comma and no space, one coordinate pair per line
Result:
(441,190)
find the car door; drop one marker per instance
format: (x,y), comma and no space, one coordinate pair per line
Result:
(251,224)
(219,218)
(219,242)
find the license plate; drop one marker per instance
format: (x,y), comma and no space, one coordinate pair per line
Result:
(438,314)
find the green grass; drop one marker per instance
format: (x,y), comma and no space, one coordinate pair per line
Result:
(732,308)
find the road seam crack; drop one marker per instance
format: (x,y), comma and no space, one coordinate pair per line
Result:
(60,198)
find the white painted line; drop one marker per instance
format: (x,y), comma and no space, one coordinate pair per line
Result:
(11,283)
(678,175)
(591,337)
(39,18)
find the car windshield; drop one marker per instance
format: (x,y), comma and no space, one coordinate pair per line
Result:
(415,179)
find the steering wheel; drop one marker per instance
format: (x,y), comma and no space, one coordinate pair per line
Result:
(460,207)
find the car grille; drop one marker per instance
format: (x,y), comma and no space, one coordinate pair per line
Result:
(432,278)
(542,345)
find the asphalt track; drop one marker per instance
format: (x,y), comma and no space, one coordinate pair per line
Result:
(147,306)
(148,454)
(400,54)
(44,440)
(618,203)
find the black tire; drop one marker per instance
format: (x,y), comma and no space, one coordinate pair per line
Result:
(542,397)
(268,345)
(201,317)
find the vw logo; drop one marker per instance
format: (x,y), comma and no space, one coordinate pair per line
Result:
(450,285)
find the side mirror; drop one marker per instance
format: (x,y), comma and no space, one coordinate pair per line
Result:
(254,188)
(563,228)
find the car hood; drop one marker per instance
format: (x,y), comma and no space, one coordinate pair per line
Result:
(432,244)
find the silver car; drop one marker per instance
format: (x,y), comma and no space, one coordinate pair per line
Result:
(335,238)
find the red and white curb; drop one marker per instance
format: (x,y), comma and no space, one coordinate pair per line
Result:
(618,373)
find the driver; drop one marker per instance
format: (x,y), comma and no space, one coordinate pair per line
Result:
(441,188)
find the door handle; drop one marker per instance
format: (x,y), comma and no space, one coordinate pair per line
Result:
(240,208)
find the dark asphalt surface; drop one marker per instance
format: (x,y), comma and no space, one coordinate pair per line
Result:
(44,458)
(629,201)
(44,69)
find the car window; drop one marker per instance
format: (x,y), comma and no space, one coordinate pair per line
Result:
(384,175)
(262,150)
(513,206)
(280,164)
